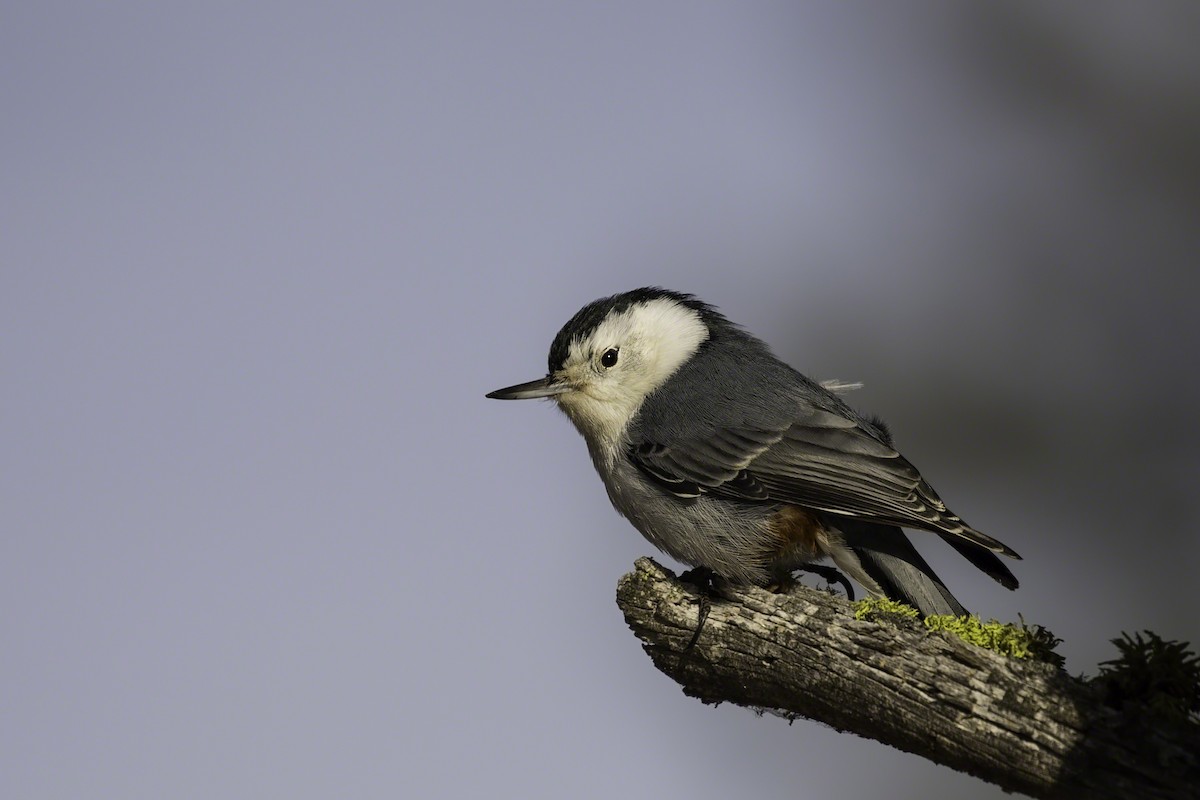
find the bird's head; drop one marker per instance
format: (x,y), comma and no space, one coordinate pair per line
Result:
(613,354)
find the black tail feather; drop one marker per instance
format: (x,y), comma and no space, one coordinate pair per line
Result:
(890,559)
(983,558)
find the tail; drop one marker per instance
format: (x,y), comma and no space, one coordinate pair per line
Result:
(889,558)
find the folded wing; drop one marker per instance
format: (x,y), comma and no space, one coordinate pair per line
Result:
(824,461)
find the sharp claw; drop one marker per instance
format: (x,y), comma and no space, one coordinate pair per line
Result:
(831,576)
(711,585)
(705,607)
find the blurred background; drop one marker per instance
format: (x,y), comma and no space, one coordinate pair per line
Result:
(259,263)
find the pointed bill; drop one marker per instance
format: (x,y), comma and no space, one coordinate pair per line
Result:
(542,387)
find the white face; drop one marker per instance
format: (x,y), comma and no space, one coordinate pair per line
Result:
(627,357)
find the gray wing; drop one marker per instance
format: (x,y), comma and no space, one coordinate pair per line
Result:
(823,461)
(715,463)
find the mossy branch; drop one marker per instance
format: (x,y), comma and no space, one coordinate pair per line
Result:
(1022,724)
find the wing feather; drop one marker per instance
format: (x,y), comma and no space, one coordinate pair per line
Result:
(824,461)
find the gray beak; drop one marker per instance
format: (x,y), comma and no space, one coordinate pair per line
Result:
(542,387)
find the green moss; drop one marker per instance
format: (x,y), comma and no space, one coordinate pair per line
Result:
(1016,640)
(1007,638)
(1160,676)
(881,609)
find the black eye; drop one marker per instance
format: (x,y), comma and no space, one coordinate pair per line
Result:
(609,358)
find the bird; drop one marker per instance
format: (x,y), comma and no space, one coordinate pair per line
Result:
(729,460)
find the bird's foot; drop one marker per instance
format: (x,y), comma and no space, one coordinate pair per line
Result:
(832,576)
(712,586)
(708,582)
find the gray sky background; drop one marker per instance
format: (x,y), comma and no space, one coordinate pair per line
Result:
(262,534)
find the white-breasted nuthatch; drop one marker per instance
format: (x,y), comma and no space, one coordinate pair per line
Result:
(725,457)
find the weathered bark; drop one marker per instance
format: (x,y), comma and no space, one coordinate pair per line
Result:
(1020,724)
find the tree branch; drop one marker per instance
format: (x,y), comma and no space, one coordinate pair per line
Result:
(1020,724)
